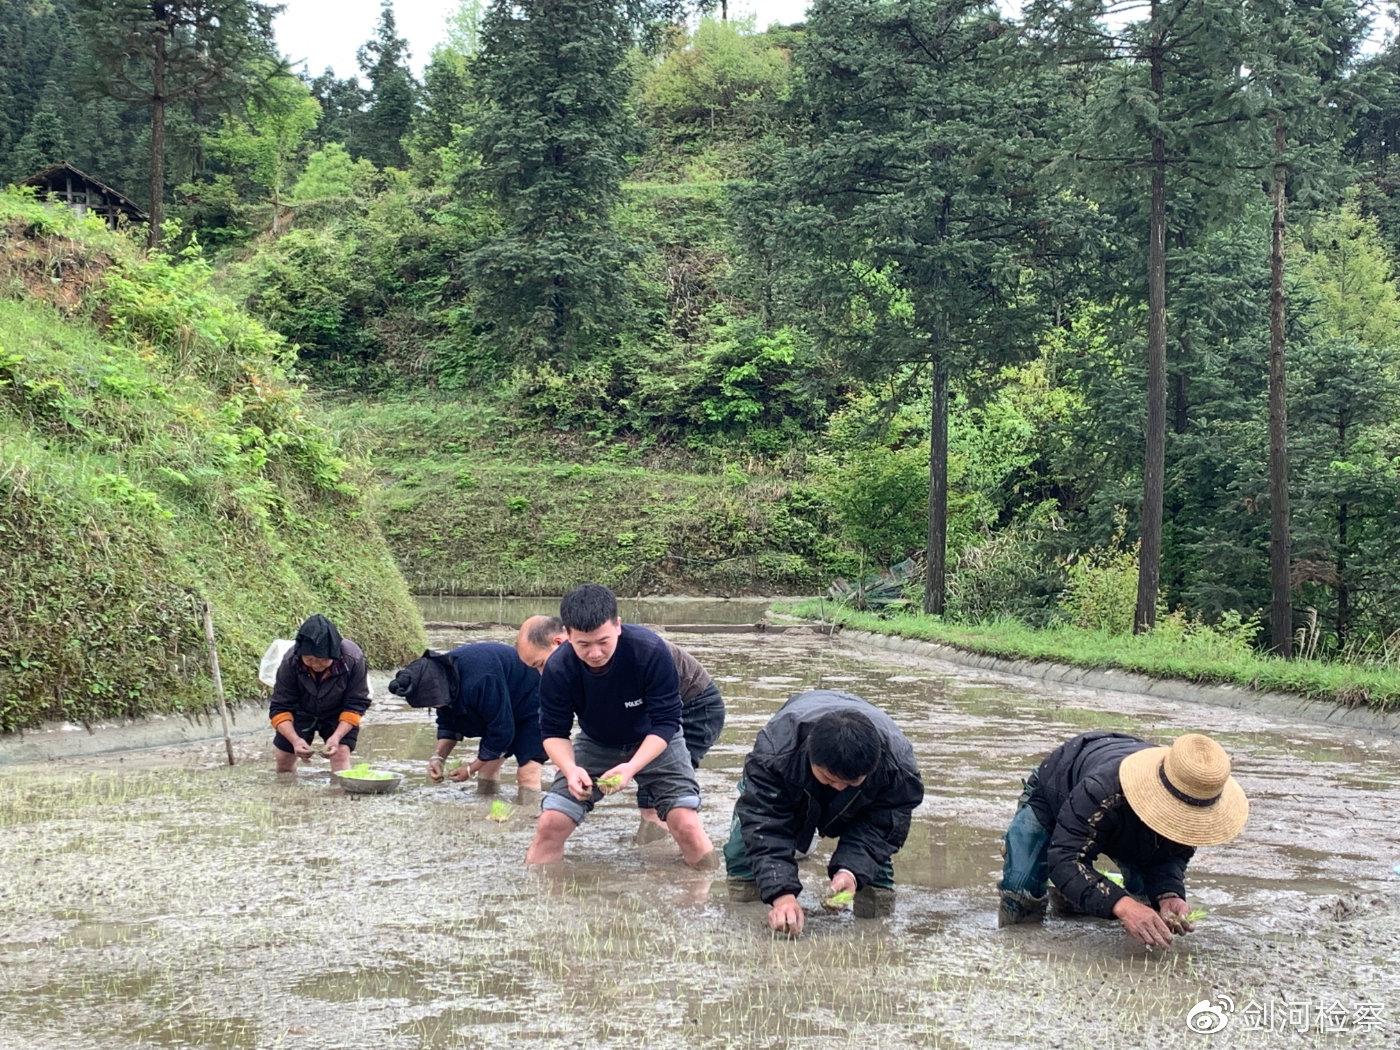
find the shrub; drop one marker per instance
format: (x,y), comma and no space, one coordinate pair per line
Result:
(1101,590)
(1010,573)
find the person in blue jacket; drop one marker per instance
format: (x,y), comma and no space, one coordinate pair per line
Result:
(480,690)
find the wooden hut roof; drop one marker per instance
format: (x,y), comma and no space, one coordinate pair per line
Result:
(45,178)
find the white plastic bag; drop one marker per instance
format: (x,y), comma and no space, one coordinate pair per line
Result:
(271,660)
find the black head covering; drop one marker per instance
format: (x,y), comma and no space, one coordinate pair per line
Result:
(426,682)
(318,637)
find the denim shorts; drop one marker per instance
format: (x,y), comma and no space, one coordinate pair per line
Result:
(669,778)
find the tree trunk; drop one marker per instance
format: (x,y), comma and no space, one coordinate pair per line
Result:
(1154,464)
(1280,543)
(1343,592)
(157,182)
(1181,418)
(935,561)
(724,10)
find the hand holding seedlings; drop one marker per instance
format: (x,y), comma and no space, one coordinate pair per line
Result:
(1142,923)
(1175,913)
(843,891)
(435,768)
(302,749)
(614,780)
(785,915)
(465,771)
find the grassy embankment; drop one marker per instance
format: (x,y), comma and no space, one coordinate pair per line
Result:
(153,454)
(1199,657)
(470,504)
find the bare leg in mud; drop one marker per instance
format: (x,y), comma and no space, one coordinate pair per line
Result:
(551,832)
(652,828)
(527,777)
(696,848)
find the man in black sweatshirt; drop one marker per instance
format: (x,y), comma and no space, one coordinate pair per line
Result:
(702,706)
(1146,808)
(620,681)
(481,689)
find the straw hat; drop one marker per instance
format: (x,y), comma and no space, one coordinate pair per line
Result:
(1185,792)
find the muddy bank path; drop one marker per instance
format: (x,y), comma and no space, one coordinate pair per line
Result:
(160,899)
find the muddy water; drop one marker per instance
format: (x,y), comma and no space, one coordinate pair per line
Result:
(659,610)
(163,900)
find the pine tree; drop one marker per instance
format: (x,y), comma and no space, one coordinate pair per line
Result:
(1163,101)
(392,99)
(47,139)
(342,108)
(33,50)
(551,136)
(1298,59)
(907,201)
(157,54)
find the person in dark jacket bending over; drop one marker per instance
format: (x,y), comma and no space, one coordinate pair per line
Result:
(1146,808)
(702,706)
(322,687)
(827,763)
(621,683)
(479,690)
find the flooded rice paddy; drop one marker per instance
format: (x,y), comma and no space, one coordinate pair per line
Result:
(161,899)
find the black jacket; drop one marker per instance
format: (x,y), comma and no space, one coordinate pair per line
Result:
(495,691)
(782,806)
(1078,797)
(344,691)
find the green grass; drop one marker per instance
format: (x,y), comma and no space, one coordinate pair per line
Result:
(469,505)
(154,455)
(1199,659)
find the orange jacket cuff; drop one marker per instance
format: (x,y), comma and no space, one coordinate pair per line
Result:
(280,717)
(351,717)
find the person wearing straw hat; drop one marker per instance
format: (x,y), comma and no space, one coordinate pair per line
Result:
(1145,807)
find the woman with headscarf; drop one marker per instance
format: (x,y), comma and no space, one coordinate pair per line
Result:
(322,687)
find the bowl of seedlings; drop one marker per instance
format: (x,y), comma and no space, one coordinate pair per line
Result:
(360,779)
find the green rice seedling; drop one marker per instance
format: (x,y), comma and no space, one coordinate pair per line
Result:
(500,811)
(1195,915)
(839,901)
(363,772)
(607,785)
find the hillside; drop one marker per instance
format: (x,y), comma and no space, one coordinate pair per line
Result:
(469,507)
(153,452)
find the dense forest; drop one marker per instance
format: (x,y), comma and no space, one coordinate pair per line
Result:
(1094,316)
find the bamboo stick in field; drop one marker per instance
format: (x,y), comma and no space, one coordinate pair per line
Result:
(218,678)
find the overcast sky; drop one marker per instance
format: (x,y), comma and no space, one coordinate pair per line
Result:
(308,33)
